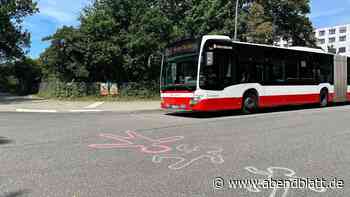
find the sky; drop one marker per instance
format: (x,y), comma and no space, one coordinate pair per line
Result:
(56,13)
(53,15)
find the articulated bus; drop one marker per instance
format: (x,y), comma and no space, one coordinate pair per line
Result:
(216,73)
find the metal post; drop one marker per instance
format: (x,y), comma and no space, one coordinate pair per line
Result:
(236,20)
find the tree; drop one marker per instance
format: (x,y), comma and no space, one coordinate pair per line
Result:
(122,40)
(259,28)
(290,20)
(28,74)
(65,58)
(115,42)
(12,36)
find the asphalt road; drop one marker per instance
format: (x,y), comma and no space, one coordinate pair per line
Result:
(151,154)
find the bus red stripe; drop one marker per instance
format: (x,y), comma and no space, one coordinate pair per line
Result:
(236,103)
(219,104)
(177,91)
(271,101)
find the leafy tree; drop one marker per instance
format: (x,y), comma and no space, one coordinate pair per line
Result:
(12,36)
(15,69)
(116,41)
(122,40)
(21,77)
(28,73)
(290,20)
(259,28)
(64,59)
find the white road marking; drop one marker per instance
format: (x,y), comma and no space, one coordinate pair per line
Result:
(187,155)
(36,111)
(85,110)
(94,105)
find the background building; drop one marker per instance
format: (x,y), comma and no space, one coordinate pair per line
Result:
(336,39)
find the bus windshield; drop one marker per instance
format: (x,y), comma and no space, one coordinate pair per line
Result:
(180,73)
(180,66)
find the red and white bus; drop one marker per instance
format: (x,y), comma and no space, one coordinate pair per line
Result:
(216,73)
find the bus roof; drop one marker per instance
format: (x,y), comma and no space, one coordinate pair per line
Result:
(295,48)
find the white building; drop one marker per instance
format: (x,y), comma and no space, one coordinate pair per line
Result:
(337,37)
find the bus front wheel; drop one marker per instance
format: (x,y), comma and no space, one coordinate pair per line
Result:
(250,103)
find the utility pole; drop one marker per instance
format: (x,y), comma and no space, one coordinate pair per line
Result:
(236,20)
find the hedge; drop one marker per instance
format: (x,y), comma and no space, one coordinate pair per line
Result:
(60,89)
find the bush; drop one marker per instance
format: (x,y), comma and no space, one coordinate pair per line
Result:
(140,90)
(58,89)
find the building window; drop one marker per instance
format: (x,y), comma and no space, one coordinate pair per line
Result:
(342,30)
(332,31)
(332,40)
(322,33)
(321,41)
(342,38)
(342,50)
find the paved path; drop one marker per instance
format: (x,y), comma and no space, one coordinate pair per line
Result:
(151,154)
(29,104)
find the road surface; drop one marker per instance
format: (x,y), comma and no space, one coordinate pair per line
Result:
(150,154)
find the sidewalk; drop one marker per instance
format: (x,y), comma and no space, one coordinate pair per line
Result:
(29,104)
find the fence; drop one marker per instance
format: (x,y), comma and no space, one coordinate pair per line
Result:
(80,89)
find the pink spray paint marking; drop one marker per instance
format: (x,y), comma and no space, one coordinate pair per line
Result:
(186,156)
(137,141)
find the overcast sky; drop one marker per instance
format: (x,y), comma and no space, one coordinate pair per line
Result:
(56,13)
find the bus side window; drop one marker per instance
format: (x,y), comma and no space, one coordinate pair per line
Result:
(230,70)
(292,69)
(260,73)
(247,69)
(275,68)
(316,61)
(326,69)
(278,71)
(221,74)
(306,70)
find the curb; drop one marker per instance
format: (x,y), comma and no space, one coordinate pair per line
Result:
(48,111)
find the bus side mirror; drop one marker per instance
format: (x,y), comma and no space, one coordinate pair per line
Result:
(209,58)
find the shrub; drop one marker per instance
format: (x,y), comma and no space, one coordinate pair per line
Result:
(58,89)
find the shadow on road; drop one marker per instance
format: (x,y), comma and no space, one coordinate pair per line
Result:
(207,115)
(4,141)
(16,194)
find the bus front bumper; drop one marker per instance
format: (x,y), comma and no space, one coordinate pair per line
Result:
(176,104)
(190,104)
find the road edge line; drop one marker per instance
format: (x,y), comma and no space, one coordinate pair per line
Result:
(36,111)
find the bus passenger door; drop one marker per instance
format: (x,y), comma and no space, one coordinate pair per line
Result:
(274,81)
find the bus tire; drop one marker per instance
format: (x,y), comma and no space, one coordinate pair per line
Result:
(324,98)
(250,103)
